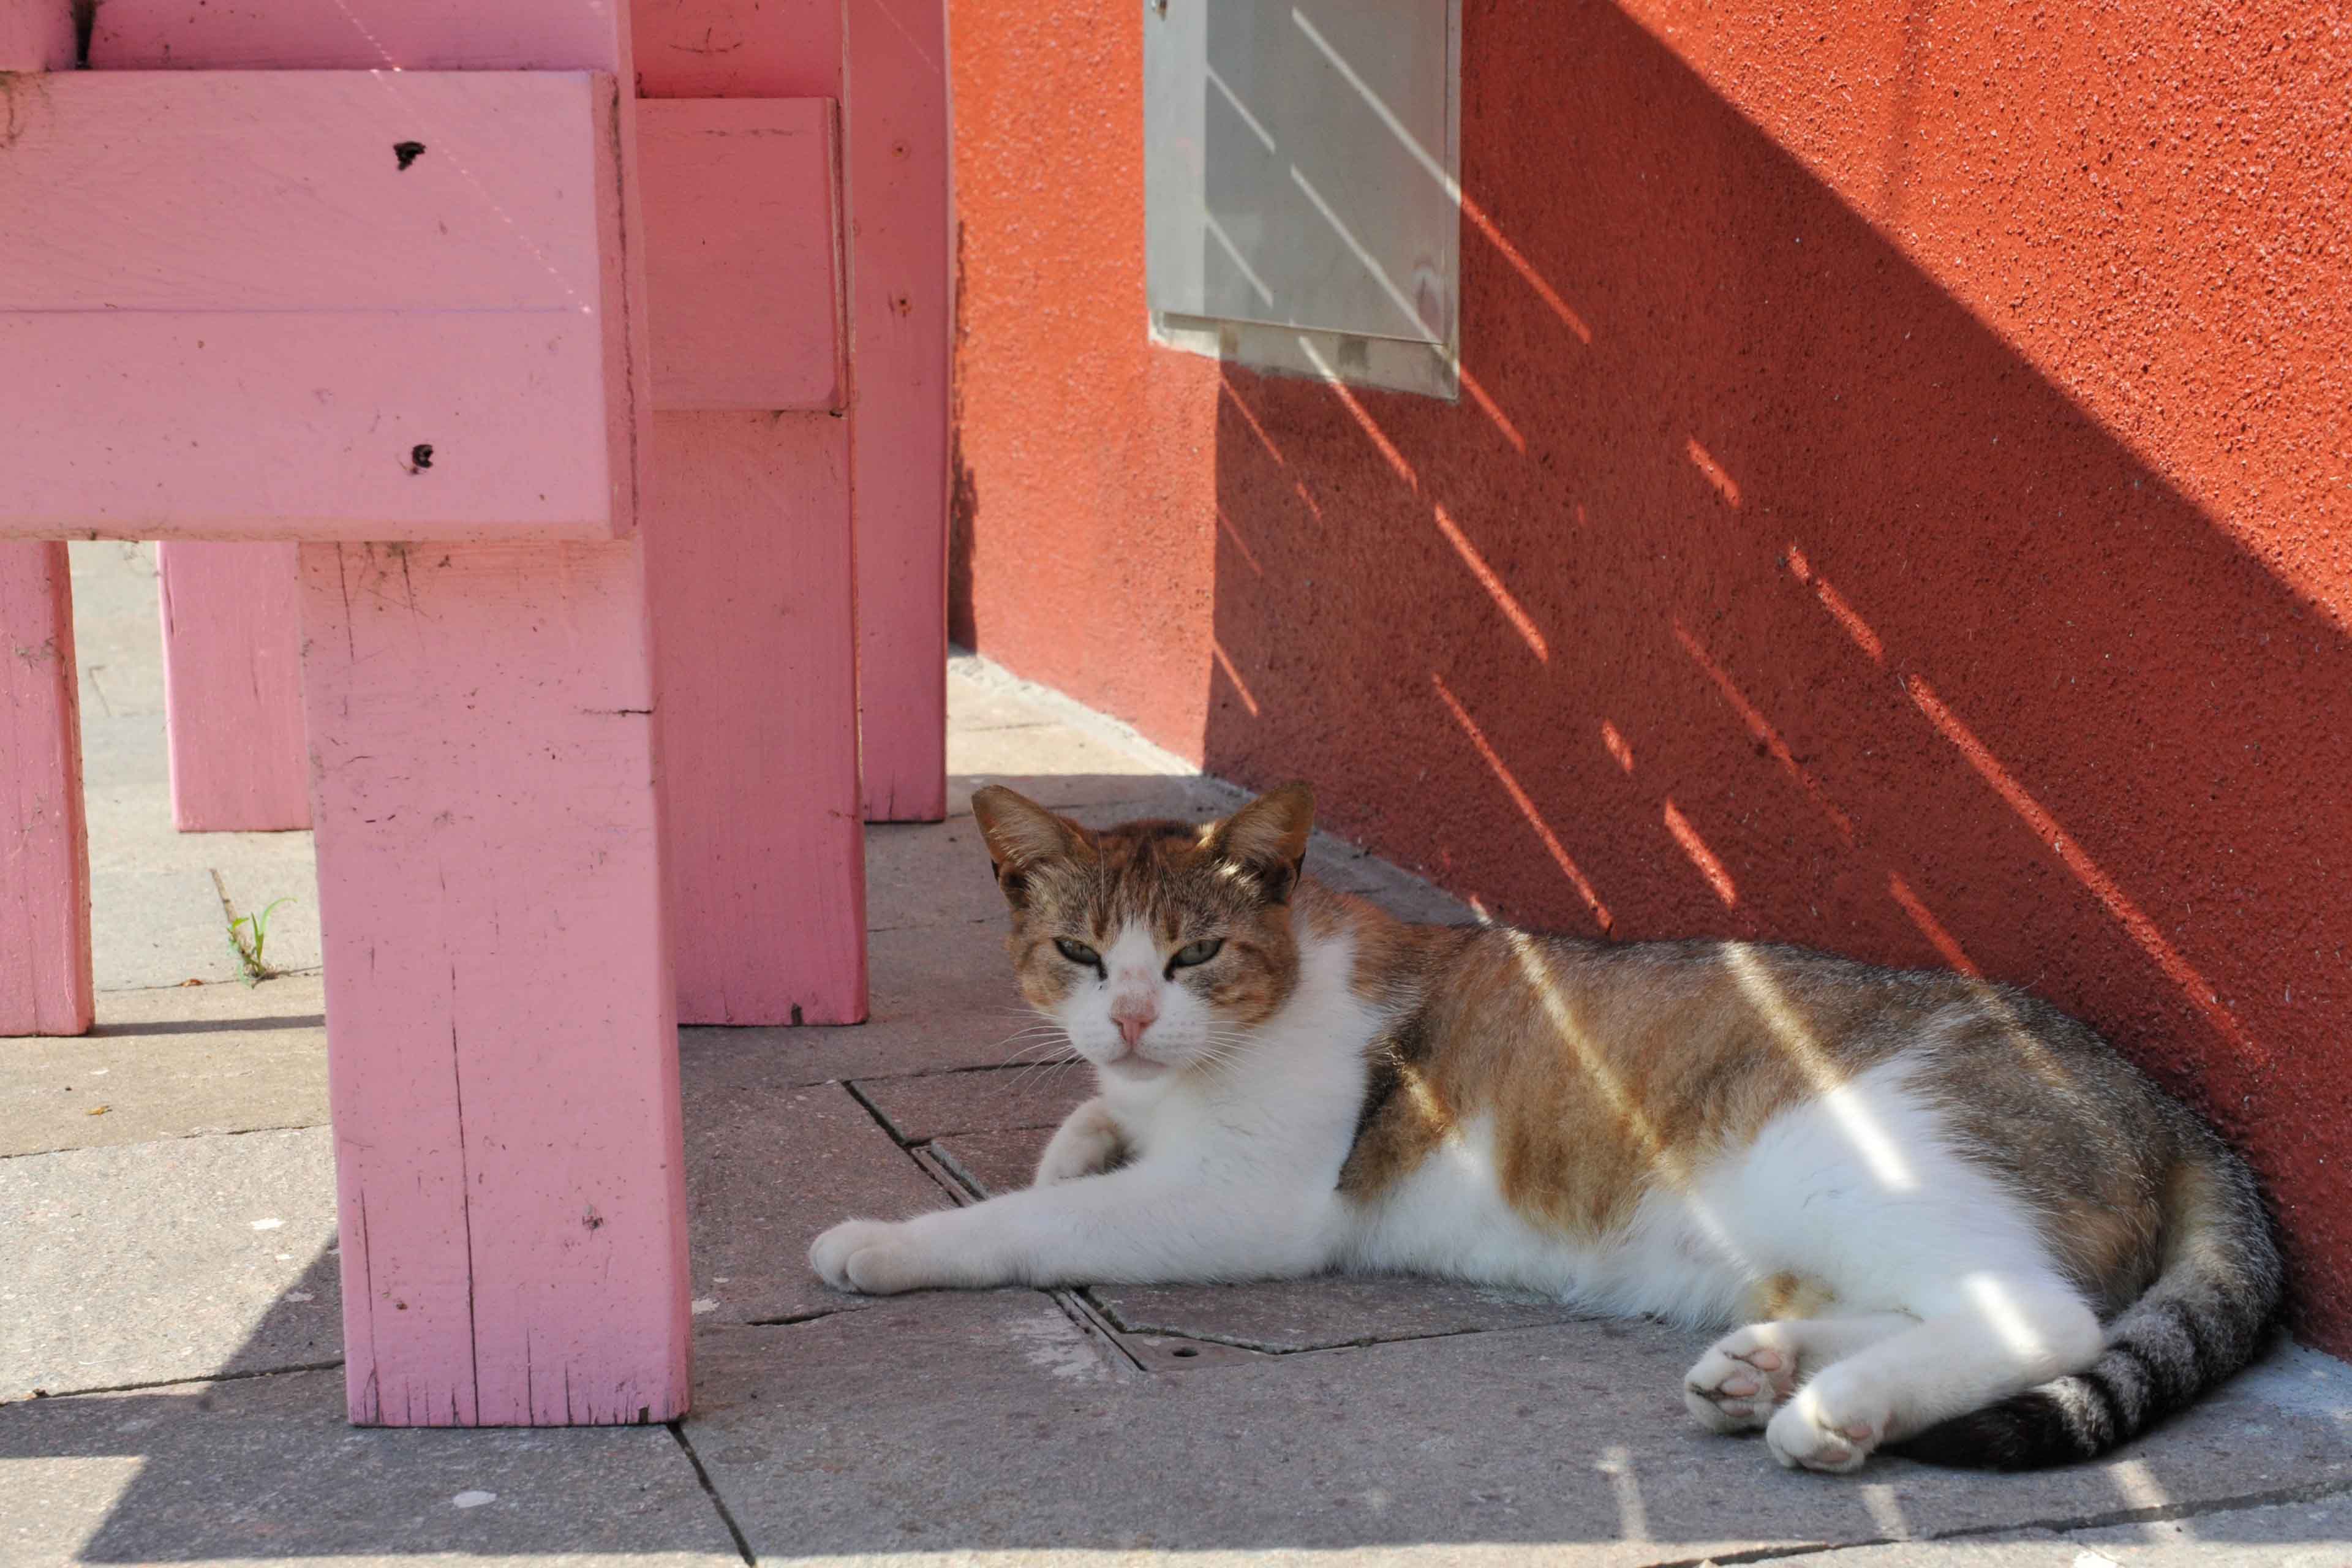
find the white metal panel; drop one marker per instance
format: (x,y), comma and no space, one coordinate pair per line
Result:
(1300,164)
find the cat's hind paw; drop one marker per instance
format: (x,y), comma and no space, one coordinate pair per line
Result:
(1833,1425)
(1742,1379)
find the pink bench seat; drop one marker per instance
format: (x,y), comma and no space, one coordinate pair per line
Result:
(268,283)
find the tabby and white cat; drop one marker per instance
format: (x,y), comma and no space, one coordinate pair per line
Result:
(1954,1224)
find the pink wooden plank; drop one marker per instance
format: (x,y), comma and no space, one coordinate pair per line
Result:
(233,688)
(737,49)
(362,34)
(749,561)
(490,215)
(34,34)
(743,274)
(499,990)
(45,976)
(257,327)
(895,108)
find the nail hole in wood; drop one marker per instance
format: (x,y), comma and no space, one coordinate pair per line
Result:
(420,456)
(407,152)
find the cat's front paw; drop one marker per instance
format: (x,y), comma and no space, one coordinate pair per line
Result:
(870,1257)
(1832,1424)
(1088,1143)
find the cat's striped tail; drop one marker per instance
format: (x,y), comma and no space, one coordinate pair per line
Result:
(2204,1317)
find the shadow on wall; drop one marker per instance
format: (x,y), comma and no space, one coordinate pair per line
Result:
(1757,588)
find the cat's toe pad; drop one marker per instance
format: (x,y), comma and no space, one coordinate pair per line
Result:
(1741,1380)
(1830,1425)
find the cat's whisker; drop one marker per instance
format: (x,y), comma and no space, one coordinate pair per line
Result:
(1037,1068)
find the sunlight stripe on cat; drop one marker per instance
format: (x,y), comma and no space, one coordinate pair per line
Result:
(1668,1160)
(1871,1140)
(2004,1316)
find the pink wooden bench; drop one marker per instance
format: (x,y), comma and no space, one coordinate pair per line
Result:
(232,696)
(398,286)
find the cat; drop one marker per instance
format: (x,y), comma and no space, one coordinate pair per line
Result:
(1940,1216)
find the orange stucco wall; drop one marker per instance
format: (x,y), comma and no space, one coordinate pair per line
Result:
(1898,504)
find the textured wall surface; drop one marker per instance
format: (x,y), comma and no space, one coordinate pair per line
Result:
(1898,504)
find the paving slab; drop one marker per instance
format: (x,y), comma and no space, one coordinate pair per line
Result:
(986,1100)
(127,787)
(2313,1534)
(993,1163)
(944,998)
(118,628)
(975,705)
(159,1262)
(2317,1534)
(768,1168)
(265,1469)
(171,1063)
(972,1422)
(929,874)
(149,930)
(1062,768)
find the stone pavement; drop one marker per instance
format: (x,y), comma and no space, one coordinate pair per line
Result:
(169,1313)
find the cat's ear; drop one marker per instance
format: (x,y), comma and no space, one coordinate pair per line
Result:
(1267,838)
(1021,835)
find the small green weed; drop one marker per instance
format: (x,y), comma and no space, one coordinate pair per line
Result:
(249,935)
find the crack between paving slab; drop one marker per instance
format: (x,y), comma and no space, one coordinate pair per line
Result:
(2157,1513)
(948,1164)
(789,1318)
(963,1072)
(875,1111)
(934,925)
(167,1138)
(1234,1341)
(45,1393)
(726,1517)
(1365,1342)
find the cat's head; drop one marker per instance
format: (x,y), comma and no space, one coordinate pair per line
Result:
(1157,946)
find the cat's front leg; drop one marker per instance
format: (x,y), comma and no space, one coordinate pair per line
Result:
(1089,1142)
(1135,1226)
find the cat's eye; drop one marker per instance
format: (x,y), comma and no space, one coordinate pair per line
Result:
(1195,953)
(1078,953)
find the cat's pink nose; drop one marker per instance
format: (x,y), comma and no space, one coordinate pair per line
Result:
(1133,1019)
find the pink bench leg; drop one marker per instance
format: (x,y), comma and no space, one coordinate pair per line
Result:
(502,1035)
(749,559)
(895,109)
(45,976)
(233,688)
